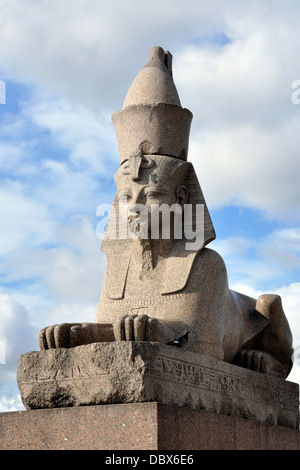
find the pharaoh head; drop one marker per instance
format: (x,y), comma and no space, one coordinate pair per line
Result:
(152,193)
(153,133)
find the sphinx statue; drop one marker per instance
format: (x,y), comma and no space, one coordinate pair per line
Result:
(168,289)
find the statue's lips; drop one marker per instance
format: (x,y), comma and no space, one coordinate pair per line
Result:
(140,220)
(138,226)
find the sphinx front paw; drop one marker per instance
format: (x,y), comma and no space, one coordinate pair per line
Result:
(131,328)
(143,328)
(64,335)
(259,361)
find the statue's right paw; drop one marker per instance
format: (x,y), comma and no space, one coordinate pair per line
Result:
(143,328)
(131,328)
(59,336)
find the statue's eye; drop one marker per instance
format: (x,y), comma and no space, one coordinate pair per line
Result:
(153,194)
(125,195)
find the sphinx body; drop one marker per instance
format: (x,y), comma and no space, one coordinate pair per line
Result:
(155,289)
(161,298)
(222,323)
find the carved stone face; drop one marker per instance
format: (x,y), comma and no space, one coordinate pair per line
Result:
(144,184)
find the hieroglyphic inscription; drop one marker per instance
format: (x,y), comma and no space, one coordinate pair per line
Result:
(181,371)
(139,311)
(72,373)
(204,377)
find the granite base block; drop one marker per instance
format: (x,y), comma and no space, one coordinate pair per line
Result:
(136,372)
(138,426)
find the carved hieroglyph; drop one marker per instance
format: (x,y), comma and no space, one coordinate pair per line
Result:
(161,289)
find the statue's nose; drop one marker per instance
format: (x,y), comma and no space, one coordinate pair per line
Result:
(135,209)
(137,199)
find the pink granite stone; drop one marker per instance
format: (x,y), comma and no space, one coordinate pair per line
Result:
(138,426)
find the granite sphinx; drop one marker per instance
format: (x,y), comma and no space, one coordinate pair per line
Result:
(169,289)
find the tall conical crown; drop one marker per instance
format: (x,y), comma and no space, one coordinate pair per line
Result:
(152,120)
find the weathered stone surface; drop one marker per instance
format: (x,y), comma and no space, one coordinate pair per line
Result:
(132,372)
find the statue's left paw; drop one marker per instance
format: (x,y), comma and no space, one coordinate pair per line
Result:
(58,336)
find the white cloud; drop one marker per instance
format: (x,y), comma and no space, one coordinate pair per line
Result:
(75,270)
(243,266)
(261,262)
(290,295)
(10,399)
(252,168)
(71,269)
(283,246)
(42,188)
(10,156)
(17,333)
(25,222)
(244,136)
(83,51)
(88,138)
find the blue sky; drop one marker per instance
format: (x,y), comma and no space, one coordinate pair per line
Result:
(67,67)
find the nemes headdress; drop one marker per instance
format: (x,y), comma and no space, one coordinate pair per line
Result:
(153,135)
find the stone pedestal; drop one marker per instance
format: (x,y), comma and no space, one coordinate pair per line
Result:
(143,396)
(136,372)
(139,426)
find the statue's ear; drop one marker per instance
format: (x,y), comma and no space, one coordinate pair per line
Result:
(181,195)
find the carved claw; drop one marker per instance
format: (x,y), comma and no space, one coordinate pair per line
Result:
(131,328)
(144,328)
(57,336)
(69,335)
(259,361)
